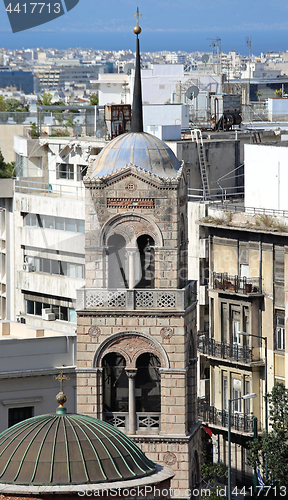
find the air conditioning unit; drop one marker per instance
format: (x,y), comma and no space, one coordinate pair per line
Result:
(20,319)
(29,268)
(48,315)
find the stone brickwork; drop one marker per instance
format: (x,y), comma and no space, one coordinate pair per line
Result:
(166,222)
(130,203)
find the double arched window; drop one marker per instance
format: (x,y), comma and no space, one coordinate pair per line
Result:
(131,266)
(132,397)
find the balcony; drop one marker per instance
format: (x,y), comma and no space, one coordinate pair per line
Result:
(236,284)
(169,299)
(240,422)
(231,352)
(147,423)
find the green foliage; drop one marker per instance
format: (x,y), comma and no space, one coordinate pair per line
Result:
(69,121)
(45,99)
(271,449)
(213,474)
(12,105)
(93,98)
(6,169)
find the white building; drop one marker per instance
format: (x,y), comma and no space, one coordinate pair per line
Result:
(46,221)
(29,360)
(161,84)
(266,176)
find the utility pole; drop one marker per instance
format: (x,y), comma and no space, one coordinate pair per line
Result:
(248,44)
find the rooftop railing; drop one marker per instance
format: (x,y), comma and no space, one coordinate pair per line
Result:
(24,185)
(240,422)
(172,299)
(236,284)
(217,194)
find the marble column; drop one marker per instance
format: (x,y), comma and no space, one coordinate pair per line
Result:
(131,374)
(131,276)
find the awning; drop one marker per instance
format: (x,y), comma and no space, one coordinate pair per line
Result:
(207,429)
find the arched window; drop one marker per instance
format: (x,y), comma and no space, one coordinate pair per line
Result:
(115,383)
(147,261)
(117,262)
(148,384)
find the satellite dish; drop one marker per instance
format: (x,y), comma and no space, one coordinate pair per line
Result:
(77,130)
(128,68)
(192,92)
(205,58)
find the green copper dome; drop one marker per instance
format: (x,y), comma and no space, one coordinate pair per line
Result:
(69,449)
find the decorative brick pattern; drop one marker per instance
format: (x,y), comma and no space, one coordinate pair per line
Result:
(94,331)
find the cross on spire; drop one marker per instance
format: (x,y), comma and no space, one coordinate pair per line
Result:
(61,377)
(137,15)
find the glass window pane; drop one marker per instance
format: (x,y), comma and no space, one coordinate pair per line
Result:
(63,313)
(33,220)
(79,271)
(63,268)
(36,263)
(55,310)
(60,223)
(49,222)
(54,267)
(70,171)
(72,315)
(38,308)
(27,220)
(46,266)
(70,225)
(80,226)
(72,270)
(30,306)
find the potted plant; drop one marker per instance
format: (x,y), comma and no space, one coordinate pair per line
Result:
(33,132)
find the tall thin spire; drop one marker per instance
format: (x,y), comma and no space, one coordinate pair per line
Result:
(137,118)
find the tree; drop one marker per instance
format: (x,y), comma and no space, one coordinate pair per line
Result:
(93,98)
(213,476)
(259,95)
(271,449)
(6,169)
(45,99)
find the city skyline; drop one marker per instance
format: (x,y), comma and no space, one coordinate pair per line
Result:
(93,25)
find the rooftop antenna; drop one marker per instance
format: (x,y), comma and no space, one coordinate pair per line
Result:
(137,117)
(217,43)
(248,44)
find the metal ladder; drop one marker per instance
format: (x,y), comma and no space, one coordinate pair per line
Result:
(196,136)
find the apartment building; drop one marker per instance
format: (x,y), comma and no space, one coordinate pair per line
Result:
(245,350)
(48,227)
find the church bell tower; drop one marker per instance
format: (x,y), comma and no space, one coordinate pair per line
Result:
(136,331)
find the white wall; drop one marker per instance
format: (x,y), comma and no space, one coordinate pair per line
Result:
(278,109)
(28,363)
(165,114)
(266,176)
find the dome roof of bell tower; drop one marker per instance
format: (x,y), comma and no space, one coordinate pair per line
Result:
(137,148)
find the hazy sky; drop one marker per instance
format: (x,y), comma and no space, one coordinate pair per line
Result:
(171,25)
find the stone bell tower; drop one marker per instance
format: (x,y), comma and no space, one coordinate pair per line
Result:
(136,332)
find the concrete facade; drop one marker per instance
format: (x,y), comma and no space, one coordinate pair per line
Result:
(30,358)
(247,290)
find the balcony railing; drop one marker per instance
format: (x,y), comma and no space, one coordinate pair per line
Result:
(241,422)
(171,299)
(147,423)
(223,350)
(236,284)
